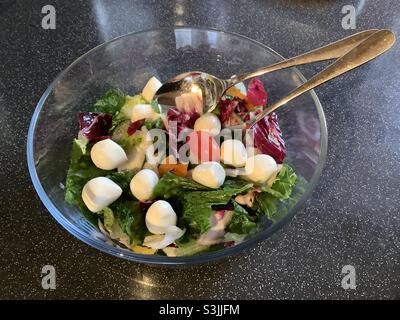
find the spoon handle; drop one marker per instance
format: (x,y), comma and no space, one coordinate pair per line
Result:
(331,51)
(371,48)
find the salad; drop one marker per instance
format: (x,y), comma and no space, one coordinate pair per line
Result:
(178,183)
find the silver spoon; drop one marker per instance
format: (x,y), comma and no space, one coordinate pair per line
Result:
(213,88)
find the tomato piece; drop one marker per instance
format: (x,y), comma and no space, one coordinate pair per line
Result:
(203,147)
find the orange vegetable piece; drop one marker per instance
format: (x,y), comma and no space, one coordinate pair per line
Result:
(180,169)
(235,92)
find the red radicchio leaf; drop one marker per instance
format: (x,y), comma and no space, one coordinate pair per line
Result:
(268,137)
(177,122)
(97,139)
(256,93)
(94,126)
(134,126)
(226,108)
(183,119)
(229,106)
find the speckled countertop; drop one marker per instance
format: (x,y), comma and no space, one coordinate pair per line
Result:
(352,218)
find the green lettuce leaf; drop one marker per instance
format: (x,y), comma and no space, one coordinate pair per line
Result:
(270,201)
(198,200)
(108,217)
(154,124)
(171,185)
(198,205)
(241,222)
(236,186)
(282,186)
(266,204)
(111,102)
(189,248)
(113,227)
(81,170)
(124,219)
(117,119)
(122,178)
(155,106)
(130,219)
(120,135)
(79,147)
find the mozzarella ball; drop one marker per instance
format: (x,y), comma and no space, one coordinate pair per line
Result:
(107,155)
(143,111)
(143,183)
(233,153)
(209,174)
(208,122)
(99,193)
(151,88)
(260,168)
(160,217)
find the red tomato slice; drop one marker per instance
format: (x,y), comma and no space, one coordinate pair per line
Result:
(203,146)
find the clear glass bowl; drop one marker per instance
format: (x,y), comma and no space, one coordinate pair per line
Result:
(128,62)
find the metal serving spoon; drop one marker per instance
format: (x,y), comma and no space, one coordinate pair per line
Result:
(213,88)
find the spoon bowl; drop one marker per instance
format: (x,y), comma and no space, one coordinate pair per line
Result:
(211,88)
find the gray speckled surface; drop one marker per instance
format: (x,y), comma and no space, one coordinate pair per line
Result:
(353,216)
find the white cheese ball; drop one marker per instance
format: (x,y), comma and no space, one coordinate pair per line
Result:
(107,155)
(99,193)
(143,183)
(233,153)
(260,168)
(209,174)
(208,122)
(160,217)
(143,111)
(151,88)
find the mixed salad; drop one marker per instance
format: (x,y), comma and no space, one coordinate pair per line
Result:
(190,188)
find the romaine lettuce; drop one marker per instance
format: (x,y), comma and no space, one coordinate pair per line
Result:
(81,170)
(171,185)
(130,218)
(282,186)
(121,136)
(198,205)
(189,248)
(241,222)
(267,203)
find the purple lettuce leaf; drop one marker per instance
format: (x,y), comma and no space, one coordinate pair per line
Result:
(256,93)
(94,126)
(268,137)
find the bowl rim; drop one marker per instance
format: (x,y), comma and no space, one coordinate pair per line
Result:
(162,260)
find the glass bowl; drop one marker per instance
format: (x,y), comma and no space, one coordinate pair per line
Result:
(127,63)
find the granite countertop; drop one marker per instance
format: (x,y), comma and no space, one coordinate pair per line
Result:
(352,217)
